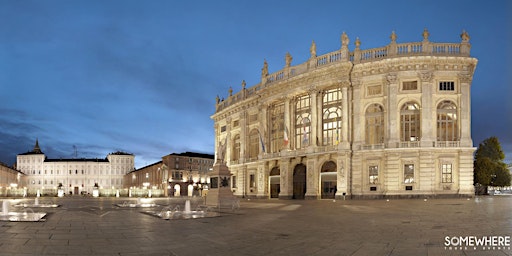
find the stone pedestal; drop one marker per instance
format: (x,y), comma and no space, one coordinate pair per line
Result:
(219,193)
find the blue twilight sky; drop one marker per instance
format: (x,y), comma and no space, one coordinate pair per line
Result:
(142,76)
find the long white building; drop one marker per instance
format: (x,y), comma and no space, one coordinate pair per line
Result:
(393,121)
(75,176)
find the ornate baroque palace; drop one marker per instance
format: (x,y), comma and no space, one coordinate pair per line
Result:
(386,122)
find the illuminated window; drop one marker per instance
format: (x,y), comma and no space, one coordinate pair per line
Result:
(253,144)
(408,173)
(302,121)
(446,172)
(276,127)
(374,124)
(410,122)
(331,117)
(236,148)
(447,129)
(373,173)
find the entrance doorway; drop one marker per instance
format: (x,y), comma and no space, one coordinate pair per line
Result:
(76,191)
(274,181)
(328,180)
(299,182)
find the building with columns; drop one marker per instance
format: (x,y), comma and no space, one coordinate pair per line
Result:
(74,176)
(392,121)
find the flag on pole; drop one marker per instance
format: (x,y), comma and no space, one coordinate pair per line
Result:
(261,141)
(337,137)
(285,135)
(305,139)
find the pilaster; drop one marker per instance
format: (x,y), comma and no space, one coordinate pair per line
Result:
(392,131)
(465,110)
(312,179)
(428,113)
(286,179)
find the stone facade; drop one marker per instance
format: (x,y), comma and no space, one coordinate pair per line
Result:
(182,174)
(10,179)
(75,176)
(392,121)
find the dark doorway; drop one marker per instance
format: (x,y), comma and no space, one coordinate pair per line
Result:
(76,191)
(274,180)
(328,178)
(299,182)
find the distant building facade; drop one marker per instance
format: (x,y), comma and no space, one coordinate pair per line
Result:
(386,122)
(74,176)
(184,174)
(10,179)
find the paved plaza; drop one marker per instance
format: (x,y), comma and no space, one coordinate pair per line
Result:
(96,226)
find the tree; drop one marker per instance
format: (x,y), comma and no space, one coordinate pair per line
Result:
(489,166)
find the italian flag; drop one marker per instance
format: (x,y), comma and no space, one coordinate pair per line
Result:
(285,136)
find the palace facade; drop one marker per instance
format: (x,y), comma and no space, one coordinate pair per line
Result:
(386,122)
(74,176)
(183,174)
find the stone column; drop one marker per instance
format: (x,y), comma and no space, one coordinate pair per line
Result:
(229,141)
(345,117)
(465,110)
(262,180)
(393,125)
(216,142)
(342,185)
(428,111)
(287,122)
(243,139)
(313,94)
(286,179)
(263,108)
(312,176)
(358,114)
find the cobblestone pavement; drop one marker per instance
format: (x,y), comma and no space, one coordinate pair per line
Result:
(96,226)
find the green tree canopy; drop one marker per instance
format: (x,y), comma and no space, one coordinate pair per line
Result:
(491,149)
(489,166)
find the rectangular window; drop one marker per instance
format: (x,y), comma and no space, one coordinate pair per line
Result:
(233,181)
(446,172)
(252,182)
(447,86)
(410,86)
(235,123)
(373,173)
(408,173)
(223,128)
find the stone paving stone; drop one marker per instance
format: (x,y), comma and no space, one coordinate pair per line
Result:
(88,226)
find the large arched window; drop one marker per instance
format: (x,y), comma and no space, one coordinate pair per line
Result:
(410,122)
(276,127)
(331,120)
(447,128)
(374,124)
(235,156)
(302,121)
(253,144)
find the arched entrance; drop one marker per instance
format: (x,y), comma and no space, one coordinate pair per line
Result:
(274,180)
(328,180)
(299,181)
